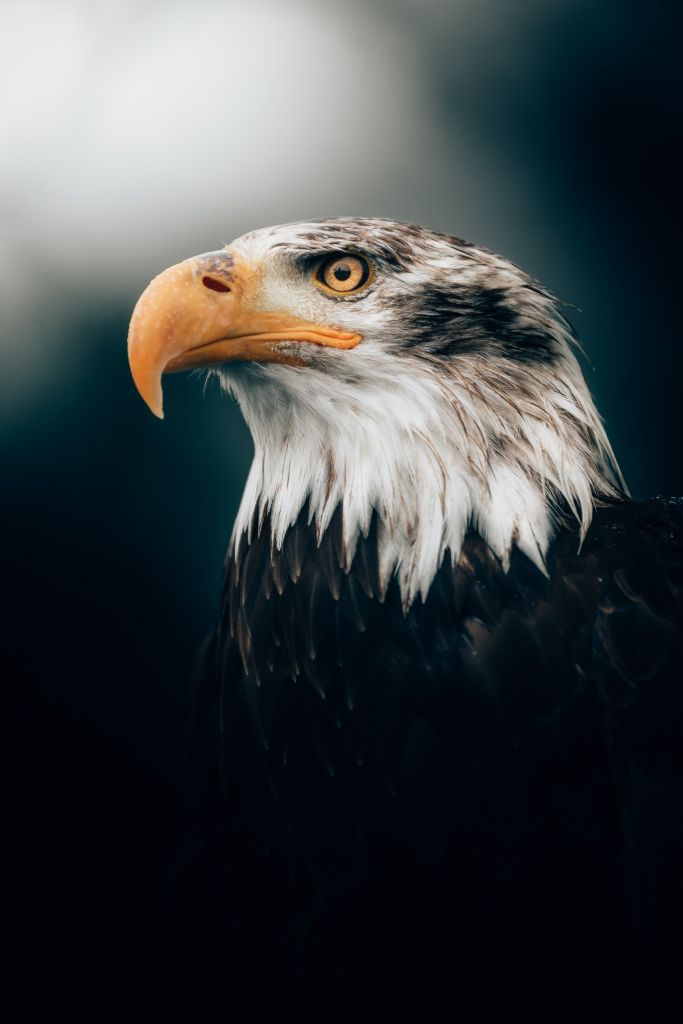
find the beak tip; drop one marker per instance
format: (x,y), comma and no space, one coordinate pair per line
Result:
(155,406)
(154,402)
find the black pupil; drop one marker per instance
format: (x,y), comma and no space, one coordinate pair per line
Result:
(343,272)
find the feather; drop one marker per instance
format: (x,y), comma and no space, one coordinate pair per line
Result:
(447,675)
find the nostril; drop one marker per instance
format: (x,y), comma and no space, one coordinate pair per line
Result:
(215,286)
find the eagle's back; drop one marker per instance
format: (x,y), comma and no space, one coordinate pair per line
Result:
(495,773)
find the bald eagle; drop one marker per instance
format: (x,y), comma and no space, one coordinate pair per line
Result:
(440,718)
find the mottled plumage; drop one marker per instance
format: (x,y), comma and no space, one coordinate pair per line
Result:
(438,726)
(464,404)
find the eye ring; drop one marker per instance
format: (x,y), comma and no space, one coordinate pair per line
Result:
(343,274)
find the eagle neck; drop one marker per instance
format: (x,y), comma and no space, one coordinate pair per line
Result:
(416,457)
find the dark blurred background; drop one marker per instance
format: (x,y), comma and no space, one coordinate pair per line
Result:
(135,134)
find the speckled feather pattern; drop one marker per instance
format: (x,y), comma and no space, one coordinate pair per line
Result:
(437,736)
(463,406)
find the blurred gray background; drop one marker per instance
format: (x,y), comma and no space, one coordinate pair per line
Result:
(134,134)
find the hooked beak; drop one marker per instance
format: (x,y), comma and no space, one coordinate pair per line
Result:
(198,313)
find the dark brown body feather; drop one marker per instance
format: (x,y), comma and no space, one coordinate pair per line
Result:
(486,787)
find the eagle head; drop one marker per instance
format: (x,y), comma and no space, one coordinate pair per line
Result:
(389,370)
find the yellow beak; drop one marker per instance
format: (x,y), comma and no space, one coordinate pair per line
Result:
(198,313)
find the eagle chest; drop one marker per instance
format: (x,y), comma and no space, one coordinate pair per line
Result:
(355,723)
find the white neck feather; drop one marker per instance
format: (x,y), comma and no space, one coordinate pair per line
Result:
(432,452)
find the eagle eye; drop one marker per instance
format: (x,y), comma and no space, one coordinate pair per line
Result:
(343,275)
